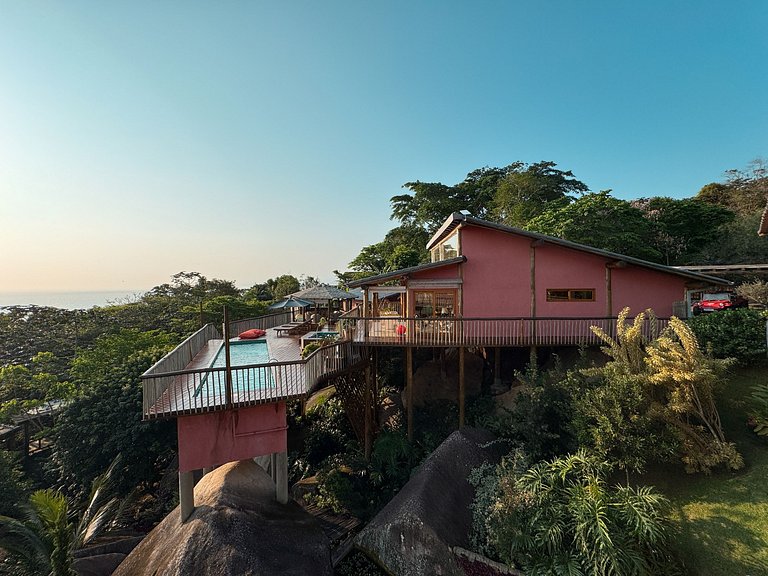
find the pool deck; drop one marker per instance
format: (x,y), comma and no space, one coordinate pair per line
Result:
(180,396)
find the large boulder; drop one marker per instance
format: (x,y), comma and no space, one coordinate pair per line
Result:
(414,533)
(237,528)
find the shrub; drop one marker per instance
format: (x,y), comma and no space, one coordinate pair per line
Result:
(560,517)
(541,418)
(736,333)
(759,413)
(612,417)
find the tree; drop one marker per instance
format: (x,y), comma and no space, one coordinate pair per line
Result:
(402,247)
(561,517)
(602,221)
(682,227)
(13,486)
(510,195)
(756,291)
(23,389)
(737,243)
(744,192)
(42,544)
(308,281)
(530,190)
(93,365)
(106,420)
(43,541)
(283,285)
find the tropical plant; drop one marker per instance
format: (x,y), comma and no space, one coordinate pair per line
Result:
(42,541)
(561,517)
(13,486)
(685,380)
(667,380)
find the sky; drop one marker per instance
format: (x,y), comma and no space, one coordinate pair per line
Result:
(249,139)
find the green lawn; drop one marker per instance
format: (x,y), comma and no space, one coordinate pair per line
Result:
(722,519)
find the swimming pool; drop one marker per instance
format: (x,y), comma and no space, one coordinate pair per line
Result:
(243,353)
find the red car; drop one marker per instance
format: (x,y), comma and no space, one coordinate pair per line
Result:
(718,301)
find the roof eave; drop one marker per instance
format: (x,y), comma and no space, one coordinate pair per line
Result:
(386,276)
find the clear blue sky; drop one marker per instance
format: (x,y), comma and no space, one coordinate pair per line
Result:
(254,138)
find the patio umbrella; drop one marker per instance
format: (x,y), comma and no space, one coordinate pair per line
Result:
(290,302)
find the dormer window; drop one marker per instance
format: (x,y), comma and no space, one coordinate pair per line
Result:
(448,248)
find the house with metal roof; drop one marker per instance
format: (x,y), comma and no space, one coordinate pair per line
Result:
(490,284)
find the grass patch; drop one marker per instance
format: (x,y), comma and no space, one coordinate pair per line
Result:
(722,519)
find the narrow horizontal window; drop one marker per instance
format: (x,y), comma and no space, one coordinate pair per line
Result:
(570,295)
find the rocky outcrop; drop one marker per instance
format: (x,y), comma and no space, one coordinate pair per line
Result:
(414,533)
(237,528)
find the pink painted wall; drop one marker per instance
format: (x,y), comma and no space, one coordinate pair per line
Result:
(496,279)
(215,438)
(496,274)
(641,288)
(445,273)
(560,267)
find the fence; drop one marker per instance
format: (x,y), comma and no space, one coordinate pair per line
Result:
(205,390)
(482,331)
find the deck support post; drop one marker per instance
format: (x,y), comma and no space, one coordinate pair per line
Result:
(186,494)
(497,368)
(367,407)
(280,462)
(409,389)
(461,387)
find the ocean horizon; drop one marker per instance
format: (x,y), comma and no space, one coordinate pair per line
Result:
(69,300)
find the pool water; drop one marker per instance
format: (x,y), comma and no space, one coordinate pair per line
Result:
(320,335)
(244,354)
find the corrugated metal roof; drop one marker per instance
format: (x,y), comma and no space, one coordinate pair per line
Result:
(405,272)
(458,219)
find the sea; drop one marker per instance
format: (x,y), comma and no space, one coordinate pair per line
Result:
(70,300)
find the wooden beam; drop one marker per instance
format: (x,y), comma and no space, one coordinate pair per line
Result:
(409,389)
(461,387)
(367,408)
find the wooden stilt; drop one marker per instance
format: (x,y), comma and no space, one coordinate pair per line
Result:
(367,408)
(461,387)
(409,389)
(497,367)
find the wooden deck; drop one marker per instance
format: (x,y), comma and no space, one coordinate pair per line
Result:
(197,388)
(477,332)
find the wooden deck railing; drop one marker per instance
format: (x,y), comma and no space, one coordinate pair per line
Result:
(261,322)
(392,331)
(176,360)
(205,390)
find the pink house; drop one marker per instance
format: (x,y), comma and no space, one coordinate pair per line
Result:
(481,270)
(495,286)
